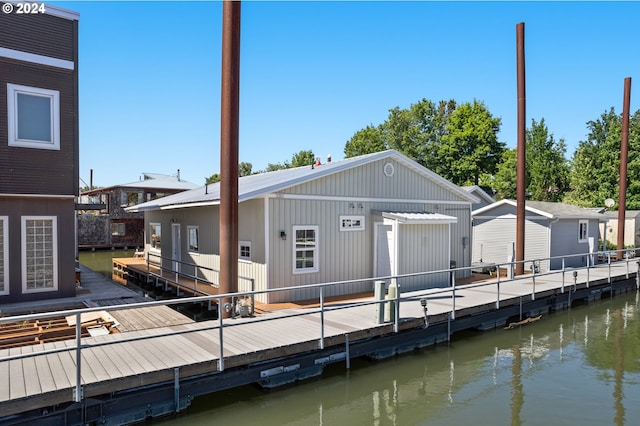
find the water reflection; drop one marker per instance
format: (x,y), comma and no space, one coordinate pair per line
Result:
(580,366)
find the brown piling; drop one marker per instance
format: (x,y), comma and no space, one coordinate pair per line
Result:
(624,149)
(229,123)
(521,151)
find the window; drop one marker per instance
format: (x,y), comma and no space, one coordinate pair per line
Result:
(118,229)
(155,232)
(352,223)
(244,250)
(305,249)
(34,117)
(583,231)
(4,255)
(193,238)
(39,253)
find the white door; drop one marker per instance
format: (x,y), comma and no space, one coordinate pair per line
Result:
(176,253)
(384,262)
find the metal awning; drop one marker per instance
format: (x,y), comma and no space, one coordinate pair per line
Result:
(412,218)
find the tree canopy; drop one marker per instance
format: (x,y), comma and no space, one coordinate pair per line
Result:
(547,170)
(459,142)
(595,167)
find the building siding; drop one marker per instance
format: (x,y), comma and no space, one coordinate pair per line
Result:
(64,210)
(564,242)
(493,237)
(40,34)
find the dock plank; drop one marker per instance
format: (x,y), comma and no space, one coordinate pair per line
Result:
(32,380)
(17,388)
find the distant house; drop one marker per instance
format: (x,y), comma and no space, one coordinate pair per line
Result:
(551,229)
(631,228)
(38,153)
(375,215)
(110,225)
(481,194)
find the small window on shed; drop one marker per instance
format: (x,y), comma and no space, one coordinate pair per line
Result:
(352,223)
(244,250)
(583,231)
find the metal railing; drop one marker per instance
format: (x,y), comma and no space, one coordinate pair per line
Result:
(422,296)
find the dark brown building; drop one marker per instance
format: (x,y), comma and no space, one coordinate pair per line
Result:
(38,152)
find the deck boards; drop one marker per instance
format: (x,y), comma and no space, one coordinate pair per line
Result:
(246,340)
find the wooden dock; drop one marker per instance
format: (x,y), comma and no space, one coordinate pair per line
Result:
(276,347)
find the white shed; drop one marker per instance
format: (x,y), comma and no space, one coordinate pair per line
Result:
(551,230)
(369,216)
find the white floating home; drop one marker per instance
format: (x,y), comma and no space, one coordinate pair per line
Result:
(370,216)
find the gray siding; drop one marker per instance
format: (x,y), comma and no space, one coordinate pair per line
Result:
(564,242)
(370,181)
(423,248)
(491,239)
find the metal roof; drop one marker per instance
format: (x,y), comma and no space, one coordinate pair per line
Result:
(257,185)
(151,181)
(547,209)
(419,218)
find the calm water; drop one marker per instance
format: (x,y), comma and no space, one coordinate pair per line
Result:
(575,367)
(100,261)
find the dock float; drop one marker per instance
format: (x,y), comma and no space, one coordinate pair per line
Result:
(140,374)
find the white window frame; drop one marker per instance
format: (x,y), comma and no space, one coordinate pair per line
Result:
(12,112)
(244,244)
(190,247)
(315,249)
(4,254)
(348,223)
(151,245)
(54,231)
(586,231)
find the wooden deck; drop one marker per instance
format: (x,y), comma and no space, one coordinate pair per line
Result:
(49,379)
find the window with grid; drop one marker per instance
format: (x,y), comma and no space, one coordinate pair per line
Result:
(39,264)
(305,249)
(244,250)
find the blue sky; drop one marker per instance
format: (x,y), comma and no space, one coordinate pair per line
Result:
(314,73)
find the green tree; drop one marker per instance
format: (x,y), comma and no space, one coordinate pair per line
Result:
(547,169)
(595,167)
(244,169)
(302,158)
(470,149)
(365,141)
(504,180)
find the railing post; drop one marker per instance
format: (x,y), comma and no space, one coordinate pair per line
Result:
(322,317)
(77,397)
(588,272)
(220,334)
(627,263)
(563,271)
(453,296)
(396,322)
(533,279)
(498,285)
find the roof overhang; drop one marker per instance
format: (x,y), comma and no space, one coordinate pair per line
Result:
(419,218)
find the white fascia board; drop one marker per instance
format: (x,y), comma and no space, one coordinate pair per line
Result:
(36,59)
(363,199)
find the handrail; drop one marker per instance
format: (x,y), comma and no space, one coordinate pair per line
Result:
(322,309)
